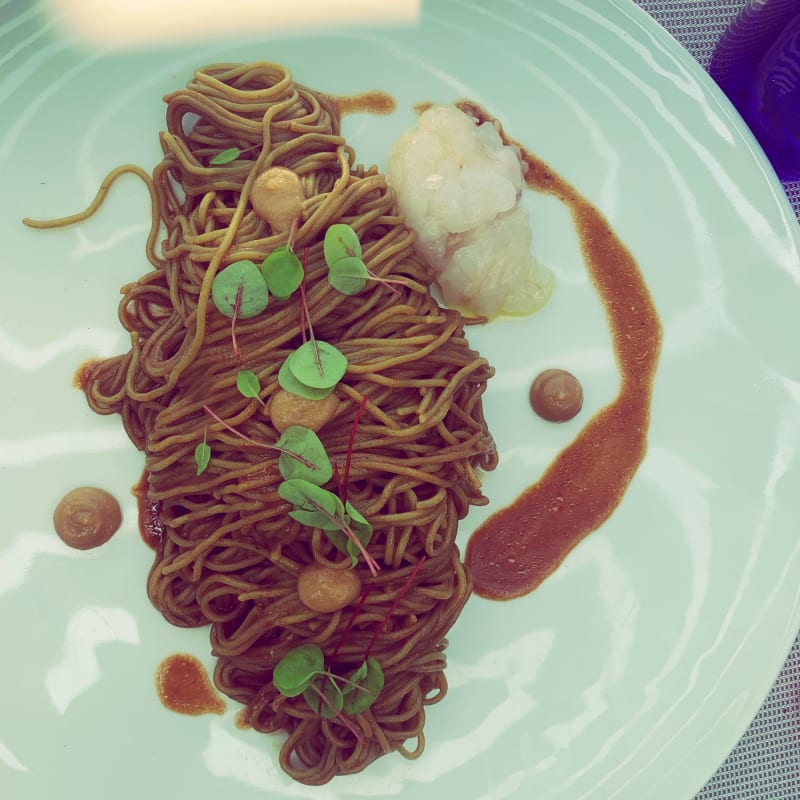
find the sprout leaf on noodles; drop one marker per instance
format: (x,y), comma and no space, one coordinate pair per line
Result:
(341,241)
(240,277)
(225,156)
(368,678)
(318,368)
(297,669)
(248,384)
(305,443)
(348,275)
(282,272)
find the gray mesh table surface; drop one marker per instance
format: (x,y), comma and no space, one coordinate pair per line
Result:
(765,764)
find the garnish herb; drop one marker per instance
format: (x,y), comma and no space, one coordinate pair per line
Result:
(301,446)
(295,671)
(244,277)
(348,275)
(288,382)
(239,290)
(341,241)
(248,385)
(310,445)
(313,370)
(347,272)
(225,156)
(202,455)
(369,678)
(282,272)
(317,364)
(302,672)
(347,529)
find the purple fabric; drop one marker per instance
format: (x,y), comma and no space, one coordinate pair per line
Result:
(765,764)
(697,25)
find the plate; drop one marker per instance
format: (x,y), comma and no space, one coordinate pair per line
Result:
(634,669)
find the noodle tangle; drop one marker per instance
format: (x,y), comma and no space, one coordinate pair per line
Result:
(230,554)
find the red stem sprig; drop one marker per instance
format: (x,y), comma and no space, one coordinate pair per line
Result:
(350,444)
(400,595)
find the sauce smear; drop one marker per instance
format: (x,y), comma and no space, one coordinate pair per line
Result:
(151,527)
(376,102)
(184,686)
(519,546)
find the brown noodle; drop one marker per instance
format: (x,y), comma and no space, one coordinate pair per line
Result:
(230,555)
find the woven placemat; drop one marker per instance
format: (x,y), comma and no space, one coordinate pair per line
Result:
(765,764)
(697,25)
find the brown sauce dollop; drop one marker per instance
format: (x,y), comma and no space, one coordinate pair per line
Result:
(556,395)
(87,517)
(519,546)
(183,686)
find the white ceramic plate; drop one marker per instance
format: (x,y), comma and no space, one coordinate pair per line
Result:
(633,670)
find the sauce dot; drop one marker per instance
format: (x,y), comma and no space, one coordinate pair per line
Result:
(87,517)
(324,589)
(183,685)
(556,395)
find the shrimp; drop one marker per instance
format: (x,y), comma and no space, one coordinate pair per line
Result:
(458,186)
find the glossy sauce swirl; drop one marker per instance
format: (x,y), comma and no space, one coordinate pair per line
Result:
(520,545)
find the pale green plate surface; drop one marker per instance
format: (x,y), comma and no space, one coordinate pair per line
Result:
(629,674)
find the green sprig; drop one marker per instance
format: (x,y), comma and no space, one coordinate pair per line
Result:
(202,454)
(282,272)
(347,529)
(302,672)
(240,282)
(225,156)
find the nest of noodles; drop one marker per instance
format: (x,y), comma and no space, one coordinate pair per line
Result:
(230,554)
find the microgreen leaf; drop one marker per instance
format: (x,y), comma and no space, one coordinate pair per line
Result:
(248,385)
(348,275)
(305,443)
(282,271)
(295,671)
(355,678)
(249,440)
(324,697)
(242,278)
(202,455)
(368,688)
(309,497)
(340,241)
(361,530)
(289,383)
(226,156)
(359,523)
(314,519)
(318,365)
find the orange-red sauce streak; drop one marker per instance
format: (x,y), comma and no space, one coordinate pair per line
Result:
(519,546)
(183,685)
